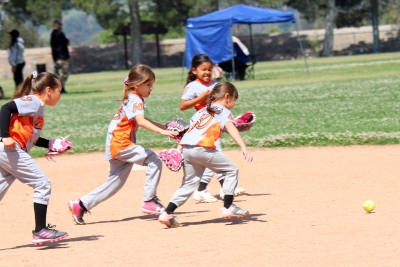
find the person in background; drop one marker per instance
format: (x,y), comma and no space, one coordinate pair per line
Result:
(16,56)
(240,60)
(59,50)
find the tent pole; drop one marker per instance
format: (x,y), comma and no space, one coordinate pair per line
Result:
(183,63)
(251,39)
(302,49)
(233,59)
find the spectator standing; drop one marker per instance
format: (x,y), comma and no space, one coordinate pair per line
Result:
(16,56)
(60,53)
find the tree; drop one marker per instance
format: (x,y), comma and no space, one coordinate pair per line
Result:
(345,13)
(330,21)
(111,13)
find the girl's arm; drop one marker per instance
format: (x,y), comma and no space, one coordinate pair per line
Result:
(159,125)
(233,131)
(5,117)
(187,104)
(148,125)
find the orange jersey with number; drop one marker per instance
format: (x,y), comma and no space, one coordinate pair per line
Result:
(26,126)
(205,128)
(123,126)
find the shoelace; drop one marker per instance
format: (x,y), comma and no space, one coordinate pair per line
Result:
(51,228)
(156,200)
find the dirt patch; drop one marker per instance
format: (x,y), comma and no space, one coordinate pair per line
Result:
(305,204)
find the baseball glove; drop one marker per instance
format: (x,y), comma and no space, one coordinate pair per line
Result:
(172,158)
(58,146)
(178,125)
(244,121)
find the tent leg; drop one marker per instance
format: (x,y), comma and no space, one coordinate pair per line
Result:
(233,60)
(302,49)
(183,64)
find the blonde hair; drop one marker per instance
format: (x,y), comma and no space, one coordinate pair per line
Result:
(138,75)
(37,85)
(218,92)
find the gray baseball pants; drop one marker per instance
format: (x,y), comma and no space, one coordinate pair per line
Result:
(196,160)
(18,164)
(209,174)
(120,168)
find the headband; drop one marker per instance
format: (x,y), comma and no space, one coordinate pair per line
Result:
(126,81)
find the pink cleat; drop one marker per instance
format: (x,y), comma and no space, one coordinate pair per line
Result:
(153,206)
(77,211)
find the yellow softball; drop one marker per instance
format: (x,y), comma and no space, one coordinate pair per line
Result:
(369,205)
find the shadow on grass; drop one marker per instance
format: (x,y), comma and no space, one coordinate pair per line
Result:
(60,244)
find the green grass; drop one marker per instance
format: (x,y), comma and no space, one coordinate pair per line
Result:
(344,101)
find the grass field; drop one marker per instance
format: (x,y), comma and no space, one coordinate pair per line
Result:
(344,101)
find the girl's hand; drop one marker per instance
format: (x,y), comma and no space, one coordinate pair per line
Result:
(169,133)
(247,155)
(205,94)
(8,142)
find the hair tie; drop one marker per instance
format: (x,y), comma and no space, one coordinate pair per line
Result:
(34,74)
(126,81)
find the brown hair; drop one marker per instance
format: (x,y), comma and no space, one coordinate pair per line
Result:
(138,75)
(218,92)
(37,85)
(197,60)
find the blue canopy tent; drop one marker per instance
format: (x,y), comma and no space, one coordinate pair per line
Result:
(210,34)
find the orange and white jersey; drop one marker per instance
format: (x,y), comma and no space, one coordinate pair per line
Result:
(206,129)
(26,126)
(122,129)
(196,88)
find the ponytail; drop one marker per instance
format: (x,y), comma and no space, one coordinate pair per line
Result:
(24,88)
(218,92)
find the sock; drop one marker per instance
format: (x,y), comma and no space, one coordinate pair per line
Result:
(202,186)
(40,216)
(82,206)
(228,200)
(221,182)
(171,208)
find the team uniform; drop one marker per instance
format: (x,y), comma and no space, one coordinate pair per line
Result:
(193,90)
(25,128)
(122,152)
(200,152)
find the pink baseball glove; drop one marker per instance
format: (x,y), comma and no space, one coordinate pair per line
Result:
(58,146)
(172,158)
(178,125)
(244,121)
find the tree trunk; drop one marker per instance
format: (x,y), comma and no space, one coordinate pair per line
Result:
(136,32)
(330,24)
